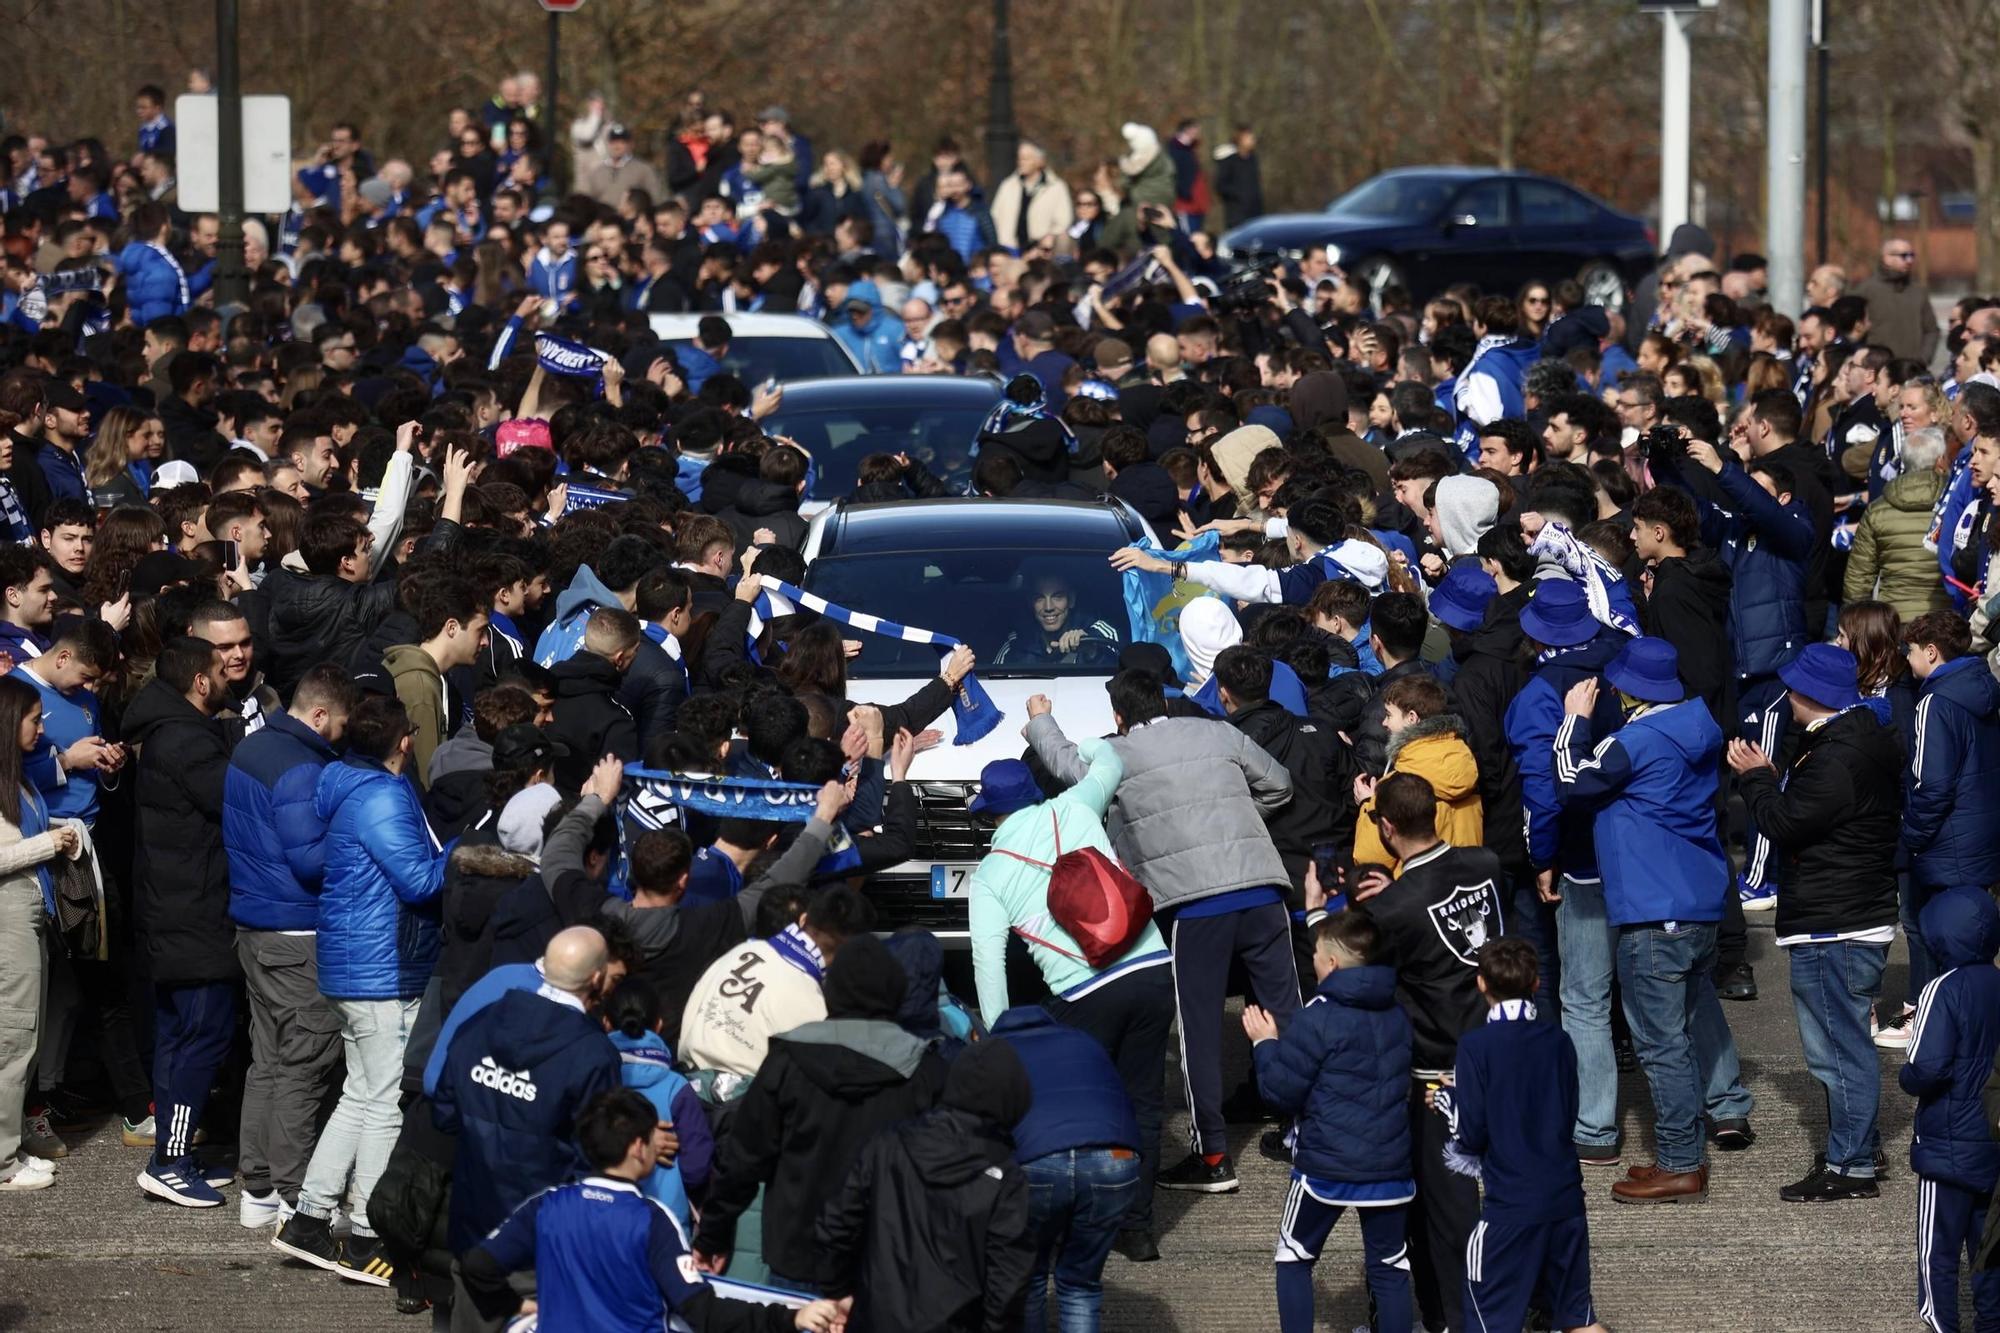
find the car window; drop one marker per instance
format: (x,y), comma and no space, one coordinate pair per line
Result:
(754,360)
(838,438)
(1413,197)
(1544,204)
(1014,607)
(1485,204)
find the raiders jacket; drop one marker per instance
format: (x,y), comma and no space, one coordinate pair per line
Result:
(1434,920)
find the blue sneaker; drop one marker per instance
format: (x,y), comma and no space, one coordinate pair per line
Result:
(1757,898)
(179,1182)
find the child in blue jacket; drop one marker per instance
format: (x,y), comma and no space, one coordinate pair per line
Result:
(1954,1037)
(1343,1069)
(647,1065)
(1511,1104)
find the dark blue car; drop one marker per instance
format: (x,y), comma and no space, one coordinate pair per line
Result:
(1426,228)
(840,421)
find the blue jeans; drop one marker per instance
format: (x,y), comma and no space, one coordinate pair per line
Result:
(1588,945)
(1535,921)
(1834,987)
(1679,1032)
(1077,1200)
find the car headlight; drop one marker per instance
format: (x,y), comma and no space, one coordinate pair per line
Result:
(1332,253)
(1223,250)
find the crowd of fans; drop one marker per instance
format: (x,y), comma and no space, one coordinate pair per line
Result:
(1501,652)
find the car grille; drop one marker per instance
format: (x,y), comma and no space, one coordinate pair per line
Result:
(945,833)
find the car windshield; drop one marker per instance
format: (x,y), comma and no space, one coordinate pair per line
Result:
(1415,197)
(754,360)
(1028,613)
(940,436)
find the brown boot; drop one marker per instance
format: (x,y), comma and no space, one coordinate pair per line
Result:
(1649,1184)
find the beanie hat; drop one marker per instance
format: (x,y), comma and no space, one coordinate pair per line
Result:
(1207,627)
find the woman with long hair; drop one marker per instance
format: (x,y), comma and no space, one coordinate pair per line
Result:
(27,902)
(126,536)
(1533,303)
(119,465)
(282,515)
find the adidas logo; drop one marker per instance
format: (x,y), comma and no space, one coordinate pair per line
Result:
(506,1081)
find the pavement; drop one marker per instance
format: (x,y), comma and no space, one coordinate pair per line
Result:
(92,1254)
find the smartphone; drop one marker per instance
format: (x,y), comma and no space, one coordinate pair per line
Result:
(232,555)
(1327,862)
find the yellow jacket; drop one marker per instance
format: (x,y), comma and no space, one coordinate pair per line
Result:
(1435,750)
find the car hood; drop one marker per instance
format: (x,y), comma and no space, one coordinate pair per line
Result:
(1279,229)
(1081,706)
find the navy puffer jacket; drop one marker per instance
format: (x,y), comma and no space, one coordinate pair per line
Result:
(1951,823)
(272,828)
(1769,549)
(1343,1068)
(1954,1037)
(378,914)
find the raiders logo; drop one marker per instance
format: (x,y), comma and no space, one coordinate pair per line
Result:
(1466,919)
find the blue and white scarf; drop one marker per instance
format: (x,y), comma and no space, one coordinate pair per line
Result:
(1602,584)
(173,264)
(561,356)
(974,709)
(655,799)
(796,947)
(585,497)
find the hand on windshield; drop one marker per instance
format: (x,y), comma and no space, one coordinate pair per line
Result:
(765,401)
(1131,557)
(958,666)
(927,739)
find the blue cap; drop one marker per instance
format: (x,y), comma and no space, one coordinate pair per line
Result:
(1558,615)
(1005,785)
(1826,674)
(1648,670)
(1459,601)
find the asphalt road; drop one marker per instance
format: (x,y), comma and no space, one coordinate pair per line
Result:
(92,1254)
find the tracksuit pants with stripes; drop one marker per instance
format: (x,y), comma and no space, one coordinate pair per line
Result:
(1203,947)
(1307,1222)
(193,1026)
(1506,1265)
(1764,718)
(1950,1221)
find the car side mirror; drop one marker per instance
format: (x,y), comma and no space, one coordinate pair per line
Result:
(1457,220)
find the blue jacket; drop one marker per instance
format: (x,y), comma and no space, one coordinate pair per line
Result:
(645,1063)
(1078,1100)
(1768,548)
(1652,787)
(1343,1068)
(564,636)
(552,277)
(1953,1040)
(63,471)
(1513,1105)
(877,344)
(1951,822)
(21,643)
(271,826)
(697,367)
(517,1075)
(66,719)
(152,283)
(377,922)
(1558,837)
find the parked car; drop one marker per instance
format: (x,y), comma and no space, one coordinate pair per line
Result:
(973,569)
(765,347)
(933,418)
(1426,228)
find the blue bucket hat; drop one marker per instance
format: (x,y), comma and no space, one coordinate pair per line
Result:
(1558,615)
(1459,601)
(1824,673)
(1648,670)
(1005,785)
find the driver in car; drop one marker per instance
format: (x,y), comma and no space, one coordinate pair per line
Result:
(1058,634)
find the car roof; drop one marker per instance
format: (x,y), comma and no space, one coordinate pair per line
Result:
(1464,173)
(890,390)
(980,523)
(741,326)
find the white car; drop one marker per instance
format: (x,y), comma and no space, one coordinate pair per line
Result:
(980,570)
(765,347)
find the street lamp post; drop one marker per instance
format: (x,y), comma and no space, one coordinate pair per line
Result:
(1003,136)
(232,284)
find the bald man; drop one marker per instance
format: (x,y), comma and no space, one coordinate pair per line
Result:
(1900,312)
(1827,284)
(1163,357)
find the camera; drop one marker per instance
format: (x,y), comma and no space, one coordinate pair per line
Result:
(1248,287)
(1662,446)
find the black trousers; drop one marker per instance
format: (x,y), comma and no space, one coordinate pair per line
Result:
(1203,948)
(1441,1219)
(1131,1016)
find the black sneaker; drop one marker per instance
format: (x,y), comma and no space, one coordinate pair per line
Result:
(310,1239)
(1138,1246)
(1731,1135)
(1823,1186)
(1272,1144)
(72,1112)
(1598,1154)
(1245,1107)
(1738,983)
(1627,1054)
(1196,1176)
(365,1259)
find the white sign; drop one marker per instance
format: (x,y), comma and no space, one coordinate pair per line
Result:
(267,153)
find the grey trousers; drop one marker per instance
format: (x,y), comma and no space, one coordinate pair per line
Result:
(295,1062)
(23,962)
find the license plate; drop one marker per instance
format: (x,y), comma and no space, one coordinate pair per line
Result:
(953,880)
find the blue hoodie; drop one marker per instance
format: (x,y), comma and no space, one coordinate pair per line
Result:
(564,636)
(1951,823)
(1953,1040)
(645,1063)
(876,344)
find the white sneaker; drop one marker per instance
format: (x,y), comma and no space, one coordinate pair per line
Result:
(38,1139)
(256,1213)
(1896,1036)
(34,1173)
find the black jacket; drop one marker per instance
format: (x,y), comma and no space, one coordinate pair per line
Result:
(1322,806)
(180,871)
(191,434)
(652,691)
(1341,700)
(1037,444)
(589,719)
(316,618)
(930,1231)
(1149,488)
(478,876)
(1434,920)
(1689,608)
(1490,674)
(764,504)
(824,1090)
(1835,820)
(1239,184)
(724,479)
